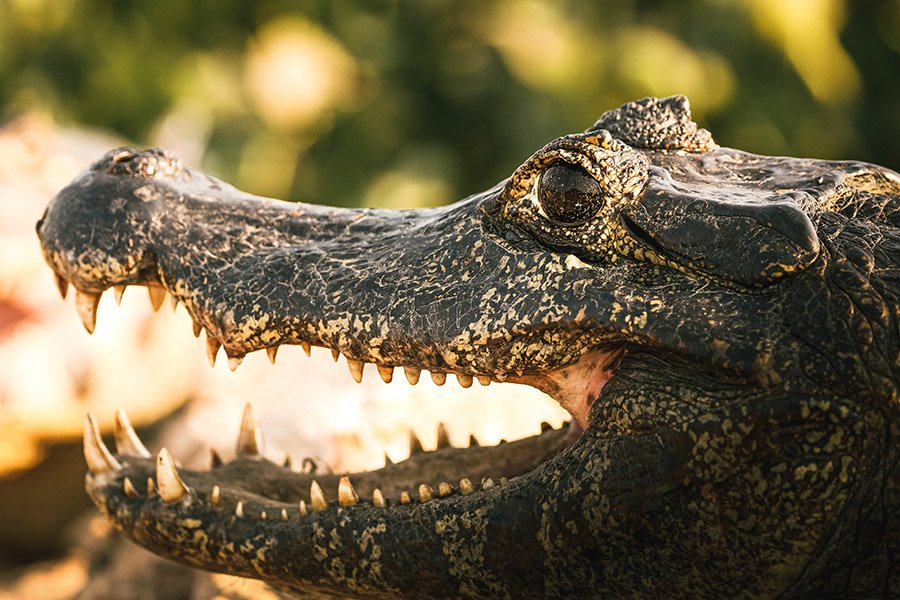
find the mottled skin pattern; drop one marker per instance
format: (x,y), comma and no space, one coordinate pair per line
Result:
(723,327)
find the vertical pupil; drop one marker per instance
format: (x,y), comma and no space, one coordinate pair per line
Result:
(568,194)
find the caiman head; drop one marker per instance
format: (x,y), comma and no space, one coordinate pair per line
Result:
(722,327)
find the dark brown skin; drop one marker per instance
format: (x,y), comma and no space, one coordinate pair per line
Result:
(722,326)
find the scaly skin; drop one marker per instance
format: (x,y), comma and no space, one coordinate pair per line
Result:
(722,326)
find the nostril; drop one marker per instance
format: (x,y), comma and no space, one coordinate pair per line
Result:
(792,223)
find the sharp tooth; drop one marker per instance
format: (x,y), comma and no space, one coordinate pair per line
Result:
(272,351)
(387,373)
(415,444)
(287,462)
(425,493)
(484,380)
(443,438)
(151,488)
(284,516)
(464,380)
(119,290)
(62,285)
(306,348)
(302,508)
(487,483)
(465,487)
(473,441)
(545,426)
(216,497)
(212,348)
(197,328)
(387,459)
(250,441)
(234,362)
(412,374)
(173,300)
(317,497)
(96,455)
(346,494)
(335,354)
(86,303)
(127,441)
(404,497)
(128,487)
(444,489)
(356,369)
(439,378)
(171,487)
(157,295)
(263,515)
(377,498)
(215,458)
(239,509)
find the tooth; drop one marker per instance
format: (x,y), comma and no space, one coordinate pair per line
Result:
(234,362)
(439,378)
(378,498)
(215,458)
(302,508)
(62,285)
(387,373)
(271,351)
(443,438)
(425,493)
(415,444)
(306,348)
(263,515)
(308,466)
(127,441)
(86,303)
(250,441)
(119,290)
(197,328)
(412,374)
(484,380)
(504,481)
(465,487)
(317,497)
(444,489)
(487,483)
(464,380)
(404,497)
(356,369)
(346,494)
(287,462)
(171,487)
(239,509)
(216,497)
(128,487)
(473,441)
(545,426)
(157,295)
(96,455)
(284,516)
(173,300)
(387,459)
(335,354)
(151,488)
(212,348)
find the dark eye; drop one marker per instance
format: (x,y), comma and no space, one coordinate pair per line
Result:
(568,194)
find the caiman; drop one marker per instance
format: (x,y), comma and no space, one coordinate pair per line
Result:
(722,327)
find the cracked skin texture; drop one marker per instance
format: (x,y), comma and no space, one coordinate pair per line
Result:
(723,327)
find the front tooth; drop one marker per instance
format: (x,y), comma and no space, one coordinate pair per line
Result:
(212,348)
(197,329)
(484,380)
(415,444)
(545,426)
(444,489)
(306,348)
(128,488)
(118,290)
(425,493)
(62,285)
(239,509)
(443,437)
(377,498)
(271,351)
(404,497)
(387,373)
(335,354)
(284,516)
(86,304)
(216,497)
(473,441)
(157,295)
(96,454)
(487,483)
(250,441)
(464,380)
(127,441)
(317,496)
(302,508)
(234,362)
(412,374)
(356,369)
(171,487)
(173,300)
(215,459)
(439,378)
(465,487)
(346,494)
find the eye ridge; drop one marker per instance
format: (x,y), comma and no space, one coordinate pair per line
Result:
(568,194)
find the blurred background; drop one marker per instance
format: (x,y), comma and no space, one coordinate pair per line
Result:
(379,103)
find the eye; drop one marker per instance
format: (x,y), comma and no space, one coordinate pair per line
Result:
(568,194)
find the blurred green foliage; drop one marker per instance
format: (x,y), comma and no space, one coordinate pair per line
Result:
(404,103)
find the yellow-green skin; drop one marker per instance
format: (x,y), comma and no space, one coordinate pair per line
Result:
(746,444)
